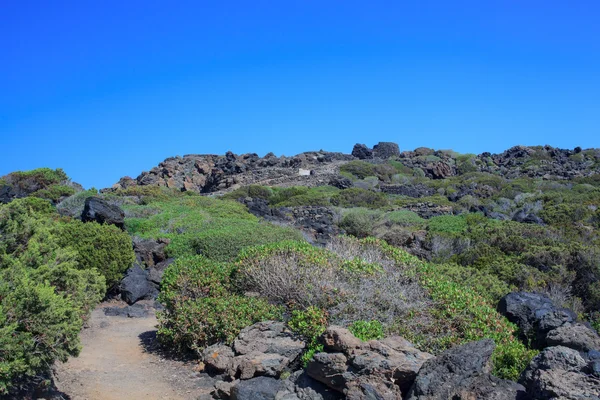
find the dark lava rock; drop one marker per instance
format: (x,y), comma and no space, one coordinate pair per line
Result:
(340,182)
(134,311)
(527,218)
(463,372)
(560,373)
(363,370)
(102,212)
(535,315)
(156,272)
(148,251)
(263,349)
(439,170)
(574,336)
(362,152)
(261,388)
(386,150)
(135,286)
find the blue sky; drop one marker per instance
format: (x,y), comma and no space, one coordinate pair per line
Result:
(109,88)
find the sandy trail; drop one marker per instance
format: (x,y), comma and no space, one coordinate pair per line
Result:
(118,361)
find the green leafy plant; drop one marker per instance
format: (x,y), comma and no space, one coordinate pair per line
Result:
(367,330)
(311,323)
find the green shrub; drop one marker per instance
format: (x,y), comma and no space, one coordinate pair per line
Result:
(355,197)
(54,192)
(42,176)
(447,224)
(360,222)
(359,169)
(37,327)
(404,218)
(460,315)
(200,309)
(103,247)
(311,323)
(317,196)
(225,243)
(367,330)
(215,228)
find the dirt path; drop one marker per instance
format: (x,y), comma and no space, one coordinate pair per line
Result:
(119,361)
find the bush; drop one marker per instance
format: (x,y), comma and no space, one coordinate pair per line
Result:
(359,169)
(367,330)
(350,280)
(103,247)
(54,192)
(73,205)
(404,218)
(360,222)
(317,196)
(37,327)
(215,228)
(200,310)
(356,197)
(447,224)
(310,323)
(224,243)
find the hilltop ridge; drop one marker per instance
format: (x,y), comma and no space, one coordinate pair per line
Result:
(208,173)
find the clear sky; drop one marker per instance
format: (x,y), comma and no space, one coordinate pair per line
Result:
(110,88)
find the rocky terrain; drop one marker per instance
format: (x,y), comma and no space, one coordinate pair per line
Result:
(212,173)
(379,274)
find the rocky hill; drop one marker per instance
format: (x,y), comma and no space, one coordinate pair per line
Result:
(213,173)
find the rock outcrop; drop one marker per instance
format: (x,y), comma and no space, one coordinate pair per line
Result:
(263,349)
(99,210)
(560,373)
(535,315)
(375,369)
(463,372)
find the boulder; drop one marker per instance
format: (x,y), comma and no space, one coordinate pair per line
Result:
(527,218)
(386,150)
(535,315)
(463,372)
(362,152)
(560,373)
(261,388)
(97,209)
(307,388)
(360,370)
(255,364)
(156,272)
(135,285)
(263,349)
(134,311)
(148,251)
(339,339)
(269,337)
(331,369)
(340,182)
(439,170)
(218,358)
(575,336)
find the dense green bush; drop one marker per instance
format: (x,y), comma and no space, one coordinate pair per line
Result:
(45,292)
(356,197)
(447,224)
(367,330)
(215,228)
(103,247)
(360,222)
(200,307)
(310,323)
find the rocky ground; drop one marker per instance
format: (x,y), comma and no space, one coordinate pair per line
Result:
(120,360)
